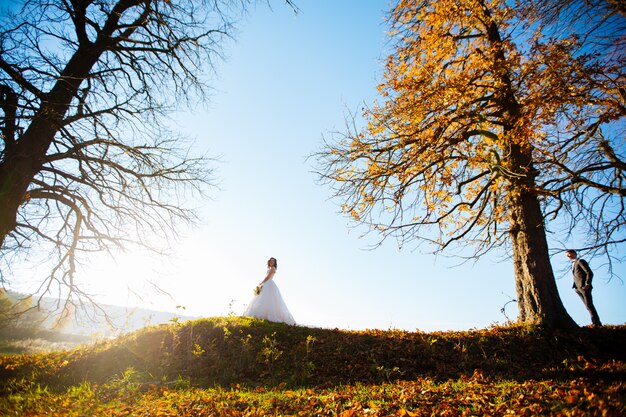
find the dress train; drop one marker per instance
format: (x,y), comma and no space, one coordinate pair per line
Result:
(269,305)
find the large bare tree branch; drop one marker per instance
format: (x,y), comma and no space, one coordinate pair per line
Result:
(87,161)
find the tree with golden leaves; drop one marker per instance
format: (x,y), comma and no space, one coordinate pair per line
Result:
(489,127)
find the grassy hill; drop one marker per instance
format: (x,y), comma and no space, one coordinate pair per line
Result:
(242,366)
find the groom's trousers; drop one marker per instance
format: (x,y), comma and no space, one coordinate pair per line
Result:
(585,295)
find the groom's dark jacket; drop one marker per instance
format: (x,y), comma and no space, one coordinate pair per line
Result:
(582,273)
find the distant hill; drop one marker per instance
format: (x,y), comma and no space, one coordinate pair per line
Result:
(84,325)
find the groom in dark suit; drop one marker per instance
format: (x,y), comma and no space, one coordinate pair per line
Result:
(582,283)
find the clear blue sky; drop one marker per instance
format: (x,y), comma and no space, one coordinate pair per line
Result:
(287,81)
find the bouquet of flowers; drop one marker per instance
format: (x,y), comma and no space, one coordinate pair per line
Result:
(257,289)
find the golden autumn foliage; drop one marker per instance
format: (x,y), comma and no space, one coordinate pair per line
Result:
(487,126)
(456,98)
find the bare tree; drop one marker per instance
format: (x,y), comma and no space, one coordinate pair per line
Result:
(489,127)
(87,161)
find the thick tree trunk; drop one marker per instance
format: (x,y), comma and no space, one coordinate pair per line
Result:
(537,294)
(9,137)
(24,159)
(13,185)
(21,164)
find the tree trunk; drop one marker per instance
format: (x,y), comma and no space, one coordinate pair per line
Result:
(12,194)
(9,137)
(24,159)
(537,295)
(21,164)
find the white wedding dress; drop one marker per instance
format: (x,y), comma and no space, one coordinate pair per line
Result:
(269,305)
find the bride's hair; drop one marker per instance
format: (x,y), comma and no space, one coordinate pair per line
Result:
(275,262)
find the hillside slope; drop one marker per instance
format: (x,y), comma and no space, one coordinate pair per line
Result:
(245,351)
(246,367)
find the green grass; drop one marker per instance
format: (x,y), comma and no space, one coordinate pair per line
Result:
(242,366)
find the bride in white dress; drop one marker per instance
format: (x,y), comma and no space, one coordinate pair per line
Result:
(267,303)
